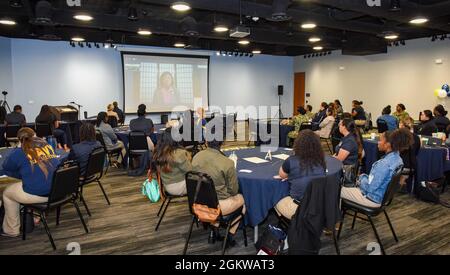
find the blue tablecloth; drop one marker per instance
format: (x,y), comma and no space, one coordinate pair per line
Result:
(260,190)
(432,162)
(4,153)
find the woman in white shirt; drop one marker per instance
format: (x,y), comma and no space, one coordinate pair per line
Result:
(327,124)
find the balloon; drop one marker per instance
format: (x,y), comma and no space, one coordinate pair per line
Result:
(446,88)
(442,94)
(436,92)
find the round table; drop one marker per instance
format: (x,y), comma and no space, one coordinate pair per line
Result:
(432,162)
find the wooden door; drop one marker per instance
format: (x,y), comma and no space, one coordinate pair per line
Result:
(299,91)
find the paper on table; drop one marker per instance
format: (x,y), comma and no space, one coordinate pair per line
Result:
(256,160)
(281,156)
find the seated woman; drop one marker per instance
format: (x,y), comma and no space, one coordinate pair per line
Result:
(34,163)
(350,149)
(321,115)
(110,111)
(173,162)
(440,118)
(110,138)
(358,113)
(309,161)
(372,188)
(427,126)
(391,121)
(326,125)
(297,121)
(309,112)
(409,156)
(47,117)
(401,113)
(80,152)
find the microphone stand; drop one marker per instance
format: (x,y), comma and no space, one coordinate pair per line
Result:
(79,109)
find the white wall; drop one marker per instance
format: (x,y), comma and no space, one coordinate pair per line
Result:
(5,66)
(407,74)
(54,73)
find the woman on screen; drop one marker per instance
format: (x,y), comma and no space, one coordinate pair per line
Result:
(166,93)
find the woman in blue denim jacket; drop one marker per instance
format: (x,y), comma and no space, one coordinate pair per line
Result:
(371,188)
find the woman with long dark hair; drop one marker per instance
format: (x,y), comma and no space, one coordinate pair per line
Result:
(372,188)
(47,117)
(166,94)
(440,118)
(173,162)
(34,164)
(309,161)
(338,107)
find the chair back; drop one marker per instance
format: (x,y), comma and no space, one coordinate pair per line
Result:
(137,142)
(65,182)
(112,120)
(43,130)
(95,163)
(305,126)
(382,126)
(11,130)
(393,187)
(206,195)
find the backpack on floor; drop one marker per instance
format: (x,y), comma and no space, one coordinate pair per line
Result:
(431,192)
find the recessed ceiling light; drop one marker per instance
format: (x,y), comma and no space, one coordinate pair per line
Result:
(144,32)
(315,39)
(77,39)
(244,42)
(221,28)
(180,45)
(318,48)
(256,52)
(83,17)
(7,22)
(419,20)
(180,6)
(309,26)
(391,36)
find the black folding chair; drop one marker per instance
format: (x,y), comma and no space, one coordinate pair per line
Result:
(112,153)
(65,186)
(11,134)
(329,142)
(43,130)
(347,205)
(93,173)
(382,126)
(207,195)
(137,145)
(112,120)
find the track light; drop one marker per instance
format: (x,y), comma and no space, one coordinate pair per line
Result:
(15,4)
(403,43)
(443,37)
(97,45)
(132,14)
(81,44)
(395,5)
(251,55)
(89,45)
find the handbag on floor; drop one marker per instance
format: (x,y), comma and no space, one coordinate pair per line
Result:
(431,192)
